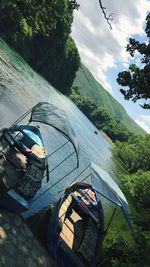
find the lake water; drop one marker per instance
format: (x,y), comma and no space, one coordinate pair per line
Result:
(20,89)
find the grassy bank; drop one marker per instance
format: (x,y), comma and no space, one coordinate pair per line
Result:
(107,138)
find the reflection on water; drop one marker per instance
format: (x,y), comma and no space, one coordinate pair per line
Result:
(20,89)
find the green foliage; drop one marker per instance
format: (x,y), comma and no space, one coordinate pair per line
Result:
(70,65)
(137,79)
(74,4)
(120,253)
(135,153)
(116,130)
(119,249)
(100,117)
(40,32)
(90,88)
(85,104)
(138,185)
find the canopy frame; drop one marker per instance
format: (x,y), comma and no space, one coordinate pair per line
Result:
(47,121)
(114,194)
(70,135)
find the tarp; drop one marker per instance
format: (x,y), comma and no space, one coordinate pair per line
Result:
(34,136)
(107,187)
(32,131)
(56,117)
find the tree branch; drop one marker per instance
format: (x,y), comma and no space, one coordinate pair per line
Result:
(109,18)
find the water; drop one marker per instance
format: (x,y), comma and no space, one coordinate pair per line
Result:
(20,89)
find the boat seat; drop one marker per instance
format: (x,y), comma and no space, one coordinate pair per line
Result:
(89,243)
(65,205)
(22,140)
(80,207)
(27,141)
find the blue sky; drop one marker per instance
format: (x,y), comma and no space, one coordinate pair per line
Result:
(103,50)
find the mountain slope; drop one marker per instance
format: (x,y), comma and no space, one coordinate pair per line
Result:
(90,87)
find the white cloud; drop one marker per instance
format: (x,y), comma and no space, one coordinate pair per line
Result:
(101,48)
(144,122)
(95,65)
(146,118)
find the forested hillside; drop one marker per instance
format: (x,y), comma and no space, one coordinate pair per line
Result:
(89,87)
(111,126)
(40,32)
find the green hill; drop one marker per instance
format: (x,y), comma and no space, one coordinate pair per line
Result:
(88,86)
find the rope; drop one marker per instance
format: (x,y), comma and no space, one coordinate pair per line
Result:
(53,185)
(46,159)
(60,163)
(75,178)
(22,117)
(112,216)
(58,182)
(81,173)
(57,149)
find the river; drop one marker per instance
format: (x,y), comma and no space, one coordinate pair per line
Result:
(20,89)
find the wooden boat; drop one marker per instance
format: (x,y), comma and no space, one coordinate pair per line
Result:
(76,227)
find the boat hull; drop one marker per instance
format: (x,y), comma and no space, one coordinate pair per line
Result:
(75,230)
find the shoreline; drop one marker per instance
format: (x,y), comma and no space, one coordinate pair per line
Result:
(107,138)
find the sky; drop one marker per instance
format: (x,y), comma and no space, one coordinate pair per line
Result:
(103,51)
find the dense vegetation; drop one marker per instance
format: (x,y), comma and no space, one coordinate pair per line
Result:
(121,248)
(135,153)
(114,128)
(40,32)
(137,79)
(90,88)
(119,251)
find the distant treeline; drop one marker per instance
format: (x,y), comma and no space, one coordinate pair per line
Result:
(40,32)
(113,127)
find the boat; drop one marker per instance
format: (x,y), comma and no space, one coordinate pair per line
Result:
(24,154)
(75,228)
